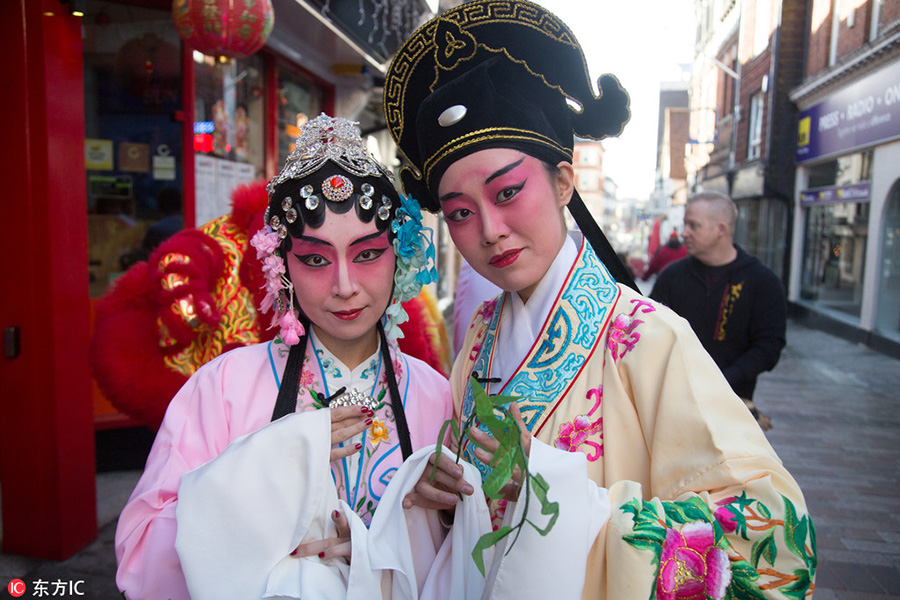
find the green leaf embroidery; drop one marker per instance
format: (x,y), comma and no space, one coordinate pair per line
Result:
(766,548)
(791,524)
(797,589)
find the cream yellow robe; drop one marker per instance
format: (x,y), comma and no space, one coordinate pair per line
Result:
(701,504)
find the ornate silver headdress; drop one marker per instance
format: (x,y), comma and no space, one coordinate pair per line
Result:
(329,138)
(338,140)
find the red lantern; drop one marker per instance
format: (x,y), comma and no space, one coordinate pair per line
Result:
(233,28)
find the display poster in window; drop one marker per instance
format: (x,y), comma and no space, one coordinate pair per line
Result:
(98,155)
(215,179)
(134,158)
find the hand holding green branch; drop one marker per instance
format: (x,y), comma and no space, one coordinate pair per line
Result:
(505,450)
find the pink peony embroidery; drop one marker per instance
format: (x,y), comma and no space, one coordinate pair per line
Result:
(691,566)
(486,311)
(725,516)
(575,434)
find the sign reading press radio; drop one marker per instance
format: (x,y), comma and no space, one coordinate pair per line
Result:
(862,114)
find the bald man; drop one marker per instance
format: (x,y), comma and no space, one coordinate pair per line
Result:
(734,303)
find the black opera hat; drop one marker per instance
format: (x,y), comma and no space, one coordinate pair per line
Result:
(493,73)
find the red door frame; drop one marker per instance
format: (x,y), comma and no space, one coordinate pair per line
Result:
(47,464)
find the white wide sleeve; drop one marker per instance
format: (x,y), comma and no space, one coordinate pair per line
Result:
(410,543)
(561,556)
(240,516)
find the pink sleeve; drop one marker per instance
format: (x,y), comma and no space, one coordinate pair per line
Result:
(194,431)
(428,403)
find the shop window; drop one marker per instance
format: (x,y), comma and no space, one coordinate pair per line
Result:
(834,256)
(228,130)
(754,143)
(299,100)
(844,170)
(133,150)
(760,230)
(888,319)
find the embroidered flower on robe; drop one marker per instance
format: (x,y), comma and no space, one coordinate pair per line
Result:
(306,377)
(379,432)
(574,434)
(691,565)
(486,311)
(725,516)
(398,371)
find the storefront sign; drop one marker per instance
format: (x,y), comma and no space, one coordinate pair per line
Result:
(134,157)
(98,155)
(862,114)
(857,192)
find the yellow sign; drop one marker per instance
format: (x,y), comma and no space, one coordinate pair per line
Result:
(98,155)
(803,131)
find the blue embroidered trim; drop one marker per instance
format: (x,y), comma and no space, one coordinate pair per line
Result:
(571,333)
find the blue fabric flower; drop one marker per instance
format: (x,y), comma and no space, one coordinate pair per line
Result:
(415,253)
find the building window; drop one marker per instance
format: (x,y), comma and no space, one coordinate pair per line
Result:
(834,256)
(877,25)
(228,130)
(299,100)
(754,141)
(762,28)
(835,31)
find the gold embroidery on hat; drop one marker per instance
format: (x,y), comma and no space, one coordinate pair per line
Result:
(424,41)
(493,133)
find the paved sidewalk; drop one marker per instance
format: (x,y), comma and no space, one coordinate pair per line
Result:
(835,407)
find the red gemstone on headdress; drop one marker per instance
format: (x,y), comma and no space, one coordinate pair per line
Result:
(336,182)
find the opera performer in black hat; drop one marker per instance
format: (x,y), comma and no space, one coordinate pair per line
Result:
(615,390)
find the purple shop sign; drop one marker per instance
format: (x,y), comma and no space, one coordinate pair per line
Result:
(856,192)
(862,114)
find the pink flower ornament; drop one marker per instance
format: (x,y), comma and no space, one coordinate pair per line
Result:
(265,241)
(692,567)
(291,329)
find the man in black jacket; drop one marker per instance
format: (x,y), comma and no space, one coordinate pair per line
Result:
(734,303)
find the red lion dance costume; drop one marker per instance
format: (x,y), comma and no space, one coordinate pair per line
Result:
(197,297)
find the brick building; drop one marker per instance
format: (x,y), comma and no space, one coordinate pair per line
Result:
(749,57)
(846,251)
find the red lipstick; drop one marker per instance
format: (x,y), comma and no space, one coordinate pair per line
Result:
(505,259)
(347,315)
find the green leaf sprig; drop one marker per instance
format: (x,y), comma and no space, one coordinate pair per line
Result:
(492,412)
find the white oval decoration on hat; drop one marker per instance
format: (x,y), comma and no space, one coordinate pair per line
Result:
(452,115)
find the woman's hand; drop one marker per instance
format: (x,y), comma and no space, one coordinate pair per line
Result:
(442,492)
(487,445)
(337,547)
(346,422)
